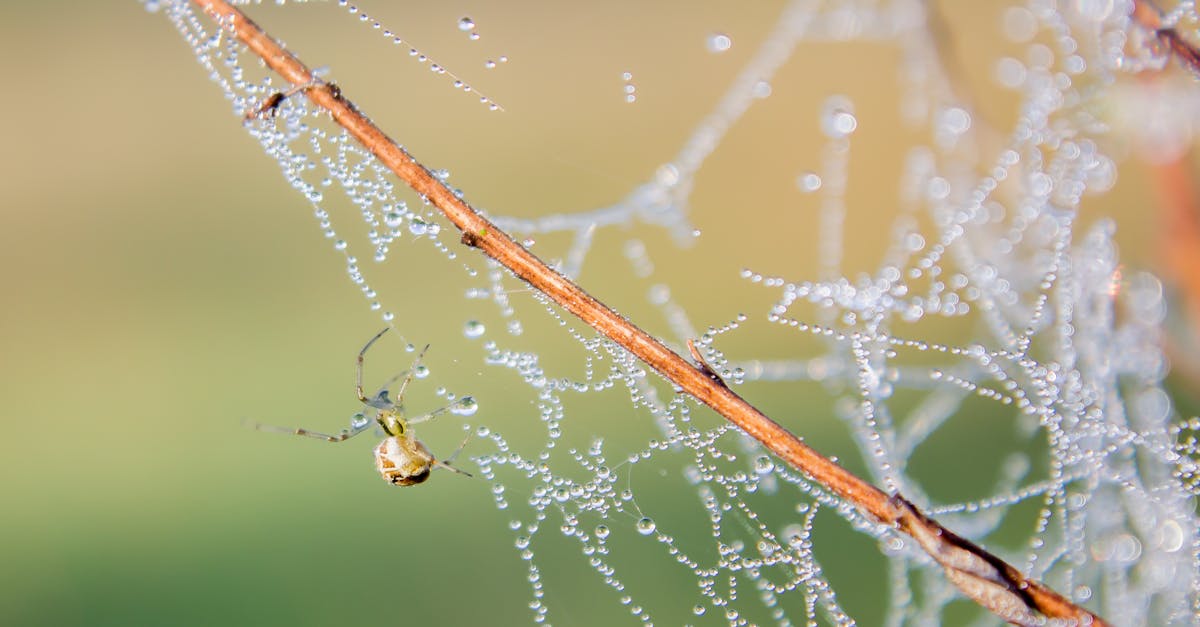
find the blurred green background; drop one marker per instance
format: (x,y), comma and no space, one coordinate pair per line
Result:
(162,283)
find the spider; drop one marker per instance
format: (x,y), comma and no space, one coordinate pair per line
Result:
(401,458)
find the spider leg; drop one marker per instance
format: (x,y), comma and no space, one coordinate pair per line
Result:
(441,464)
(435,413)
(342,436)
(381,394)
(359,367)
(408,377)
(447,463)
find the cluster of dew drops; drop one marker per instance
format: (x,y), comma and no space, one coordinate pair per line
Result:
(467,25)
(572,502)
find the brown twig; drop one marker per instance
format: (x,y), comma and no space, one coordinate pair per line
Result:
(1149,17)
(982,576)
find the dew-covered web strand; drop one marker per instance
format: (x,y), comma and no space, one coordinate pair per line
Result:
(1023,377)
(483,232)
(1018,315)
(421,57)
(571,491)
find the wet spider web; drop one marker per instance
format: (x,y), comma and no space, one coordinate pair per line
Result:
(1094,480)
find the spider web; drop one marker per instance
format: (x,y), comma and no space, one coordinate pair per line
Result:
(1093,481)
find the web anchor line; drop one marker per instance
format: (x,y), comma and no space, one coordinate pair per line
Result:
(980,575)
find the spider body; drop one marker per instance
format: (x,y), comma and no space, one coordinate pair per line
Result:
(403,460)
(400,458)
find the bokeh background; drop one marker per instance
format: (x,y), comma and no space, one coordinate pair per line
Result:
(161,284)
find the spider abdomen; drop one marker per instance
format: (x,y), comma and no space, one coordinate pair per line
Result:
(403,461)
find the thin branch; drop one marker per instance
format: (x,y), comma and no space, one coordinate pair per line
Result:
(1150,17)
(980,575)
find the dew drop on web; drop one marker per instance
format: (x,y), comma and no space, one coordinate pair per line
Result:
(718,43)
(837,117)
(474,329)
(466,406)
(808,182)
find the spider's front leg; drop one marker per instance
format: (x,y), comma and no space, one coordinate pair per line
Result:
(358,370)
(358,424)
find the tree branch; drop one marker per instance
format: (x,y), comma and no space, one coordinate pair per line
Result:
(980,575)
(1149,17)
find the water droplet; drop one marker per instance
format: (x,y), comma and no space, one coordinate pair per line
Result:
(340,244)
(667,175)
(358,421)
(955,120)
(466,24)
(718,42)
(1019,24)
(1040,184)
(837,117)
(466,406)
(1097,10)
(489,64)
(808,182)
(474,329)
(763,465)
(522,542)
(1102,175)
(646,526)
(1010,72)
(421,371)
(698,610)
